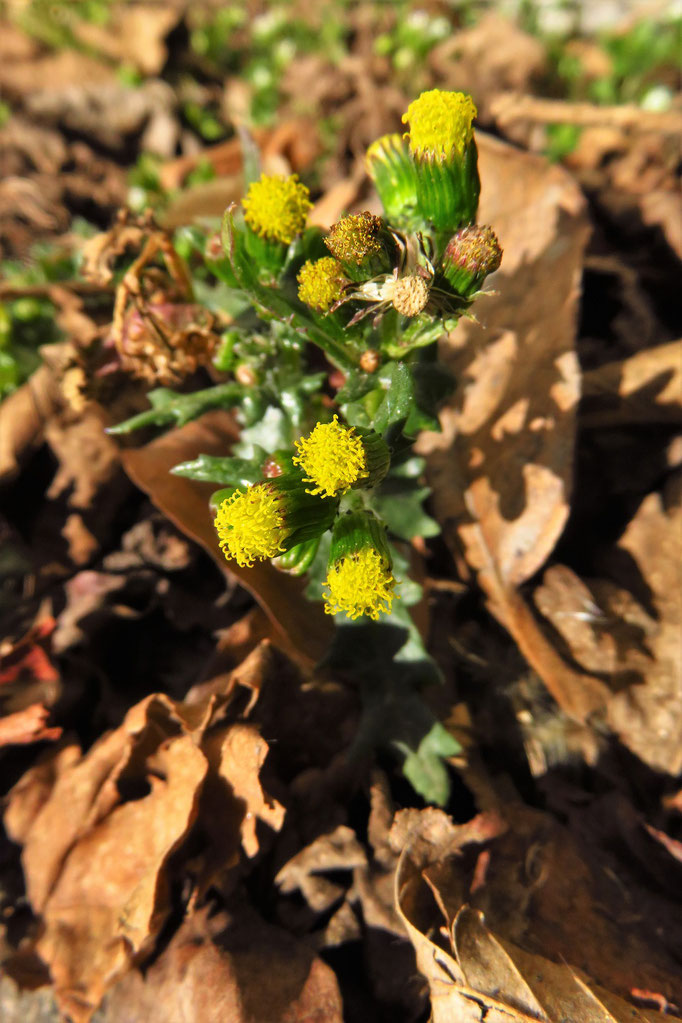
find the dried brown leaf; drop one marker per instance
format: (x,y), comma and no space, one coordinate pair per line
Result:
(27,726)
(501,471)
(22,419)
(98,829)
(633,637)
(134,33)
(339,850)
(544,909)
(230,970)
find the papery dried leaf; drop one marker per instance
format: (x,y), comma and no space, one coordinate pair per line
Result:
(23,416)
(646,388)
(339,850)
(501,471)
(540,900)
(26,726)
(242,754)
(110,900)
(632,637)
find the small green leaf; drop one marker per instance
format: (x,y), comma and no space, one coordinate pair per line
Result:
(399,398)
(171,407)
(399,503)
(424,767)
(233,472)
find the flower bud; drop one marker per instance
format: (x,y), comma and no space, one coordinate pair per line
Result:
(264,520)
(359,577)
(441,142)
(470,255)
(321,283)
(335,458)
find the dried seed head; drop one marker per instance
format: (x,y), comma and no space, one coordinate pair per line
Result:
(410,295)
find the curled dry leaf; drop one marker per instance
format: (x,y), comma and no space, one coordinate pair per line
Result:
(302,630)
(26,726)
(501,470)
(499,944)
(23,415)
(339,850)
(98,830)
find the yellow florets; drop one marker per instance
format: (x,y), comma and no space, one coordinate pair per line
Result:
(333,458)
(321,283)
(354,237)
(360,584)
(276,207)
(440,123)
(251,525)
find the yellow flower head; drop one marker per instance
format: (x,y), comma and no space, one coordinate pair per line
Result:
(321,283)
(360,584)
(332,457)
(354,237)
(276,207)
(440,123)
(251,524)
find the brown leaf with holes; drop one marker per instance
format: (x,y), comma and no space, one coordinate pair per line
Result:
(501,471)
(302,629)
(538,936)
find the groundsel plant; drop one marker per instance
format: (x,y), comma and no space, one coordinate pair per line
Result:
(330,361)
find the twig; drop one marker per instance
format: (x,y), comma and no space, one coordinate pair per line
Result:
(9,291)
(508,108)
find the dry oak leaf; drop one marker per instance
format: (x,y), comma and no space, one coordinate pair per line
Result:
(645,388)
(536,892)
(229,969)
(633,637)
(501,471)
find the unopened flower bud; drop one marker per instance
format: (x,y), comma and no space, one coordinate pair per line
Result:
(470,255)
(370,360)
(392,169)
